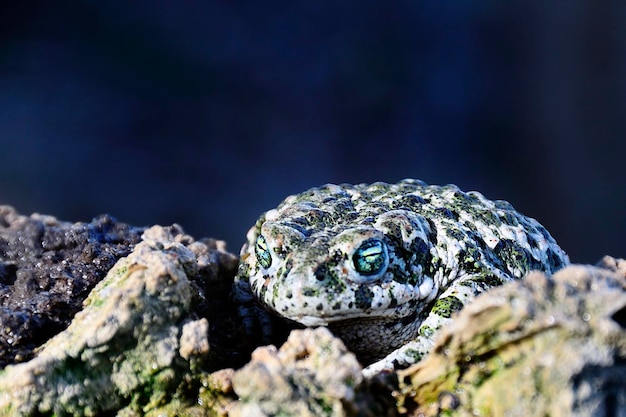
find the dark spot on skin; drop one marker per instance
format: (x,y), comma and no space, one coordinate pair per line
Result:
(338,256)
(532,242)
(414,304)
(471,226)
(544,232)
(509,219)
(477,238)
(515,257)
(470,260)
(482,283)
(275,292)
(328,278)
(368,220)
(400,275)
(316,217)
(503,205)
(288,266)
(432,236)
(489,218)
(319,276)
(445,307)
(344,206)
(363,298)
(319,307)
(394,232)
(409,202)
(421,251)
(554,260)
(446,212)
(300,226)
(456,234)
(409,319)
(433,267)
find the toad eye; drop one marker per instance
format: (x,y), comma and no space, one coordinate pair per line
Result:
(262,251)
(371,257)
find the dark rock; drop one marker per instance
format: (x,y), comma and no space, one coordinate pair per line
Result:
(137,346)
(47,268)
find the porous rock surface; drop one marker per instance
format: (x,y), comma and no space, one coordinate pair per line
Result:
(139,342)
(158,336)
(47,268)
(543,346)
(312,374)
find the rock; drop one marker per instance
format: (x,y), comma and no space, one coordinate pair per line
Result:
(133,347)
(540,346)
(311,375)
(47,268)
(194,340)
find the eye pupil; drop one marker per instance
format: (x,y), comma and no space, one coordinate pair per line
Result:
(370,258)
(262,252)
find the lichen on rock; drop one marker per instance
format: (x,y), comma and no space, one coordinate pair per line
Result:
(123,350)
(541,346)
(311,375)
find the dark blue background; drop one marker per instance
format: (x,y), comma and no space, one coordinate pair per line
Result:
(207,113)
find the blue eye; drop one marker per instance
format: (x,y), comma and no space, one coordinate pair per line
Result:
(262,252)
(371,257)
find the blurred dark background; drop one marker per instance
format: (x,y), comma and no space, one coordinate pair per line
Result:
(207,113)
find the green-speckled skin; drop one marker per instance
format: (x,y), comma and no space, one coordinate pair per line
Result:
(429,250)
